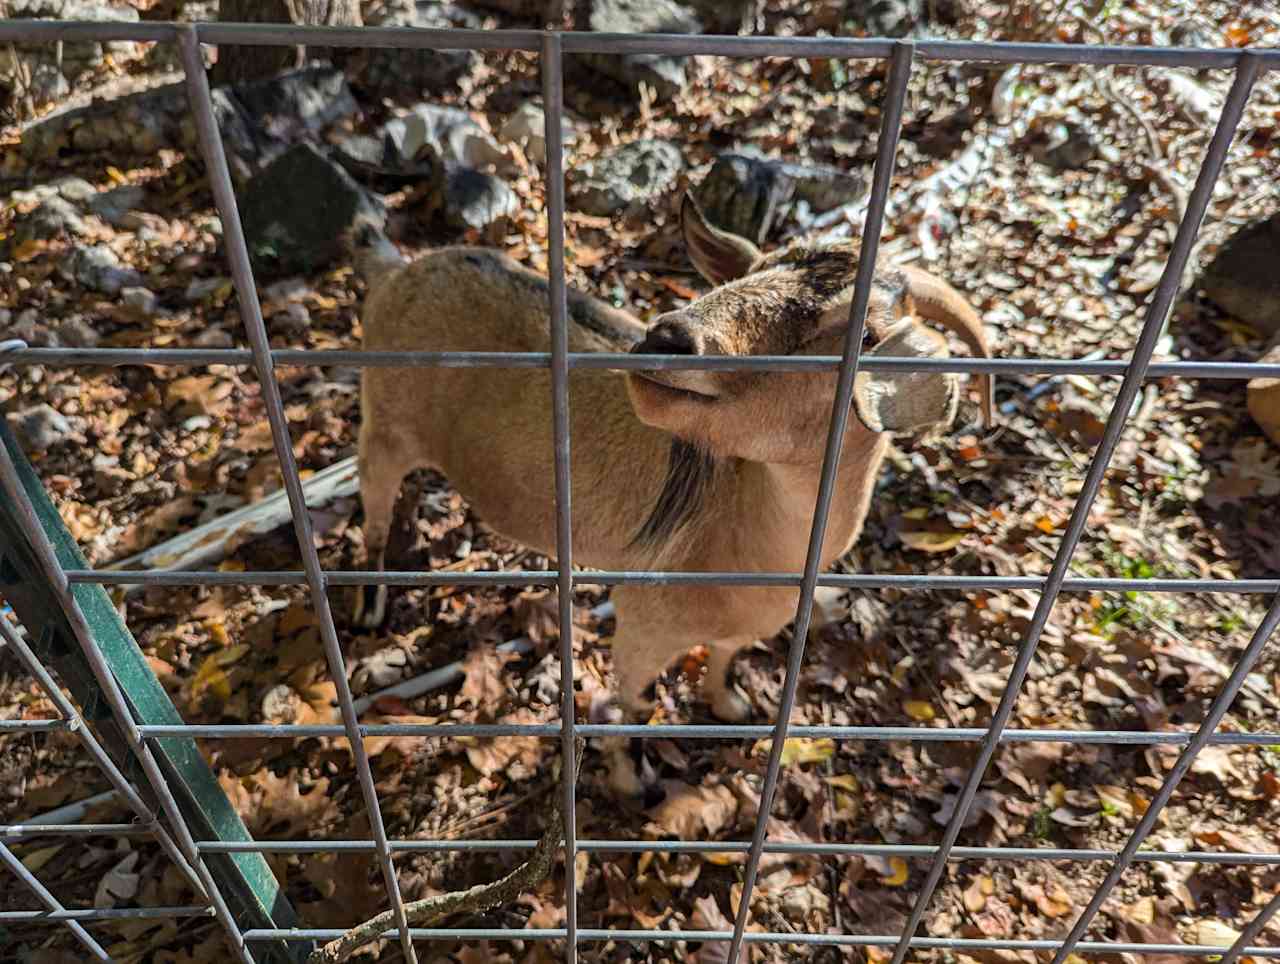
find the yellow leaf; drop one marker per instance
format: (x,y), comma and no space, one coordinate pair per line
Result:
(919,710)
(38,858)
(210,678)
(1046,525)
(721,859)
(900,873)
(932,541)
(116,174)
(801,750)
(218,632)
(231,654)
(846,781)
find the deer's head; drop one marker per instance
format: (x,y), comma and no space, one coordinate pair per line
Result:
(794,301)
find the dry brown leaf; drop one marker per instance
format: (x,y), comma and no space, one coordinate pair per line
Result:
(693,813)
(1216,761)
(519,756)
(483,685)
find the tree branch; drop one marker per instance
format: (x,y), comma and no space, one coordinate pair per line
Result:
(481,897)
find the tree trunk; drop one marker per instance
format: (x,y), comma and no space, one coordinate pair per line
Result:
(238,64)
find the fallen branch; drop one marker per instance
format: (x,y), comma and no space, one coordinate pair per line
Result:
(209,543)
(481,897)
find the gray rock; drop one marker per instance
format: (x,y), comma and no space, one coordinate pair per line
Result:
(200,288)
(39,427)
(258,122)
(527,9)
(297,212)
(627,179)
(664,74)
(449,133)
(97,267)
(473,199)
(885,18)
(53,218)
(27,326)
(75,189)
(527,127)
(113,206)
(387,71)
(76,55)
(141,300)
(379,157)
(76,332)
(214,338)
(297,104)
(725,16)
(48,84)
(748,195)
(1244,276)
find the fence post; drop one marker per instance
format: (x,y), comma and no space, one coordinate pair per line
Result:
(244,879)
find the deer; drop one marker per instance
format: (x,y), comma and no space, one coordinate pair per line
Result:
(689,470)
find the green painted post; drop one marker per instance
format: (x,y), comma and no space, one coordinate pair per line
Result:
(245,879)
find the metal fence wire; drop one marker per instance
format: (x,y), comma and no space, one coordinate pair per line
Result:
(191,854)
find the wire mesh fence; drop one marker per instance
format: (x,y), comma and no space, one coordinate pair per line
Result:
(192,855)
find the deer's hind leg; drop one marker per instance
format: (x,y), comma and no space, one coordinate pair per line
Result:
(384,461)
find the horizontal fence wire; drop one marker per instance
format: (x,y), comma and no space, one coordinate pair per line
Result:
(906,851)
(420,38)
(552,46)
(550,577)
(698,731)
(600,935)
(604,361)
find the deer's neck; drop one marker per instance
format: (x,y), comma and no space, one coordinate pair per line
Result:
(773,506)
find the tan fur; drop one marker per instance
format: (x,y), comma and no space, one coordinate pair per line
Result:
(489,430)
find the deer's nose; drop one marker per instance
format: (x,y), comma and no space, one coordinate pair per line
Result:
(670,338)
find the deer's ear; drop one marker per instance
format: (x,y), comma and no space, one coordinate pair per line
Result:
(719,256)
(888,401)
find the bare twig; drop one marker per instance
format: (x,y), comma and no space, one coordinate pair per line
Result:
(481,897)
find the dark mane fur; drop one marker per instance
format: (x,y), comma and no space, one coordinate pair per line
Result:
(689,472)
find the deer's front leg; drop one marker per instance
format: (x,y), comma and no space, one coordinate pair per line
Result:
(726,703)
(643,645)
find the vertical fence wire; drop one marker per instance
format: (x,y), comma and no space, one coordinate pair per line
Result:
(882,177)
(1216,712)
(1153,323)
(1251,931)
(47,560)
(27,657)
(552,66)
(214,155)
(10,860)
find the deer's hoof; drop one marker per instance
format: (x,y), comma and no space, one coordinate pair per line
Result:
(730,706)
(371,607)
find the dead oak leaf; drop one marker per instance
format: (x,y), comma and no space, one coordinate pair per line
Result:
(483,685)
(1216,761)
(520,757)
(692,812)
(273,805)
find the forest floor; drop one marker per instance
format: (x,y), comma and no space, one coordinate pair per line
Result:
(1060,263)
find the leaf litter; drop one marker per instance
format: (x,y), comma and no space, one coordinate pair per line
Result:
(1059,261)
